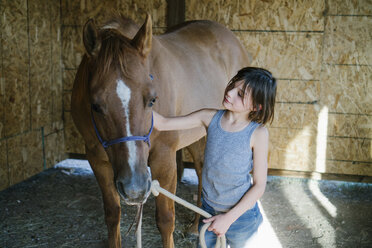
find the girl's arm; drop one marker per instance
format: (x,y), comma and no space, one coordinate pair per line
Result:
(260,140)
(200,118)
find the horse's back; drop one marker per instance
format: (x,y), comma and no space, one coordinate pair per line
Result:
(200,30)
(203,34)
(206,55)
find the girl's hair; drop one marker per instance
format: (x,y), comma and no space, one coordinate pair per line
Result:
(262,85)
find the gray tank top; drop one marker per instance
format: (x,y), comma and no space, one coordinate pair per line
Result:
(227,163)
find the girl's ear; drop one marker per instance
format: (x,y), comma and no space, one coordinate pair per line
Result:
(259,108)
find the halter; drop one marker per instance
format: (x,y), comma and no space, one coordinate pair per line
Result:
(106,144)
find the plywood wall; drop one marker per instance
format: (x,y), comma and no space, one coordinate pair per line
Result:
(41,47)
(31,126)
(321,52)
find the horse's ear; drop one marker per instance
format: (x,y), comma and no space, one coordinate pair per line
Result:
(90,38)
(143,39)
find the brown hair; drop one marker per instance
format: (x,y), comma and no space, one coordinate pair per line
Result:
(262,85)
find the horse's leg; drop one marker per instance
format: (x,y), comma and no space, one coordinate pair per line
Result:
(180,165)
(163,168)
(197,152)
(111,200)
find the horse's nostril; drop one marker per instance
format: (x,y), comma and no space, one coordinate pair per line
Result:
(133,192)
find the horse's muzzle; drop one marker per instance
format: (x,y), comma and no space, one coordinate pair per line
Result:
(134,191)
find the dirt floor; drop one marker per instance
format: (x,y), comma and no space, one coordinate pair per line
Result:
(62,207)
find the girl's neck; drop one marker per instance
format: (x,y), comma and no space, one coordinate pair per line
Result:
(236,117)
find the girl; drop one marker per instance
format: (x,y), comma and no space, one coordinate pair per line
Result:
(237,142)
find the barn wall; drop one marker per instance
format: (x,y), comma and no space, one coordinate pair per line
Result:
(31,126)
(321,52)
(41,48)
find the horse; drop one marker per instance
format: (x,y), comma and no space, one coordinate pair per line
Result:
(124,75)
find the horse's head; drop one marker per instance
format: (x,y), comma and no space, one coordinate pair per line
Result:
(121,98)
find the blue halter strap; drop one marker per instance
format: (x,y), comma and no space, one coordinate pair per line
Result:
(106,144)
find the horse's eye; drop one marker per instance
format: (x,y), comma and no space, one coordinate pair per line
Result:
(96,108)
(152,102)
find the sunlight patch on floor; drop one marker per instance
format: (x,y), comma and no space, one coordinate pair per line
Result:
(322,199)
(321,140)
(317,212)
(266,236)
(74,166)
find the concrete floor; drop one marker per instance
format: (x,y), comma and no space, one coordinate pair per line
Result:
(62,207)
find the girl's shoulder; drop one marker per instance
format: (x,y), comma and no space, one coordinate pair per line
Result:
(260,135)
(261,130)
(206,115)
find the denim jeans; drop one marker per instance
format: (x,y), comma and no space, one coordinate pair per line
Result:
(239,232)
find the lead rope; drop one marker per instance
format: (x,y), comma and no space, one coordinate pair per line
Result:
(139,227)
(156,189)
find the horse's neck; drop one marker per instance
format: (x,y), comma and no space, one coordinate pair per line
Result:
(160,52)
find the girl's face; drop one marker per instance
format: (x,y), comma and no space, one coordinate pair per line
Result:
(235,100)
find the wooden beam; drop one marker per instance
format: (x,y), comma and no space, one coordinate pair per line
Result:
(175,12)
(320,176)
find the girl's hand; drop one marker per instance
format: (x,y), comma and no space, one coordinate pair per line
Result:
(220,224)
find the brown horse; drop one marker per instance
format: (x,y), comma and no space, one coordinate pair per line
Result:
(125,69)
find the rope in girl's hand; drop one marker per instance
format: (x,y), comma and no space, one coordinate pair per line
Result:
(156,189)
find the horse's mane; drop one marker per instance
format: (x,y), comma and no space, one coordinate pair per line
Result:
(115,35)
(122,24)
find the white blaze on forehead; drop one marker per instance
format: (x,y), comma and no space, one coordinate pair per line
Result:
(124,93)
